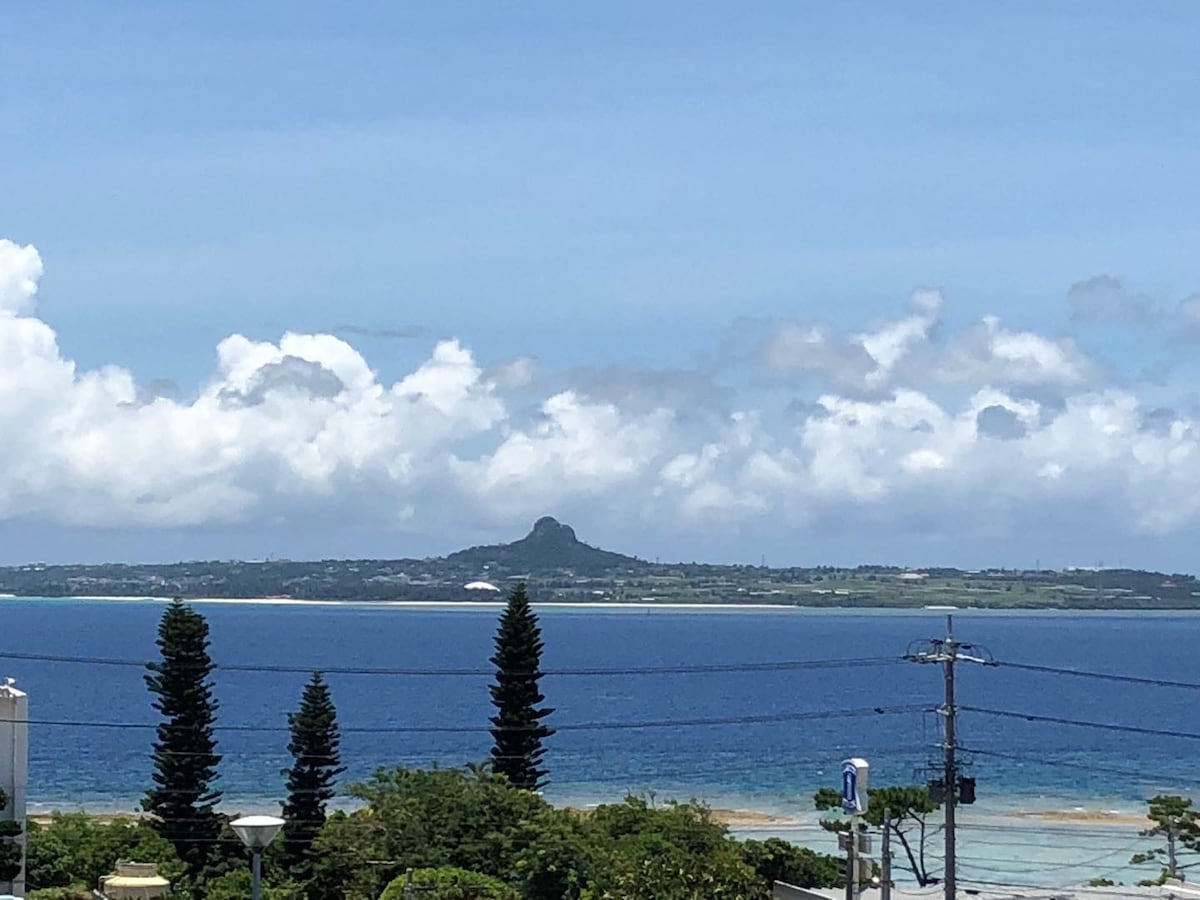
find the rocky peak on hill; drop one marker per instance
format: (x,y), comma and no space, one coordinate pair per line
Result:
(549,547)
(549,531)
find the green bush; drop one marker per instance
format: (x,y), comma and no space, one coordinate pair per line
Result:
(777,860)
(237,884)
(60,893)
(75,850)
(467,821)
(449,883)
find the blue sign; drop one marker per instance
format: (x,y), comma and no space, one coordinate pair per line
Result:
(855,773)
(850,788)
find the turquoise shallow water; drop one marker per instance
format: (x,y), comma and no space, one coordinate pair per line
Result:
(774,765)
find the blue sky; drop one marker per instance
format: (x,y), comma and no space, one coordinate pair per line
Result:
(628,204)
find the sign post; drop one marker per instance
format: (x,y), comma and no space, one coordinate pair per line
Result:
(855,773)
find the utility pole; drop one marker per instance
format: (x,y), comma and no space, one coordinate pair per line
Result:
(1172,859)
(852,861)
(947,651)
(885,859)
(951,762)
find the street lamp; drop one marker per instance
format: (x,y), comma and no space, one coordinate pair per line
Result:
(256,833)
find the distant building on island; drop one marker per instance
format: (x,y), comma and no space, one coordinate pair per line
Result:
(14,768)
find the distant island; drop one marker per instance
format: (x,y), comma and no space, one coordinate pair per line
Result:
(559,567)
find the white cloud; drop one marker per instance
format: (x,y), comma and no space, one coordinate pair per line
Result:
(903,424)
(516,373)
(866,361)
(991,354)
(20,269)
(578,449)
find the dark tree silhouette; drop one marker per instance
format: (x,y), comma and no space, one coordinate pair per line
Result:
(183,800)
(517,727)
(310,781)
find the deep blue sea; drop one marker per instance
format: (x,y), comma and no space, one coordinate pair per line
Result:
(768,765)
(1025,770)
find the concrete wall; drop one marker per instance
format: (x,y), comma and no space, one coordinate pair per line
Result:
(14,765)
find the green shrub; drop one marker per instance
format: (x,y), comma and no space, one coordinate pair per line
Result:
(449,883)
(76,849)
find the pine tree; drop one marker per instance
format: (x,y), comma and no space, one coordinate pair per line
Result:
(1178,824)
(183,800)
(310,781)
(517,727)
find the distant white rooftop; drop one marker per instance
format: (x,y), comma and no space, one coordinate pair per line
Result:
(480,586)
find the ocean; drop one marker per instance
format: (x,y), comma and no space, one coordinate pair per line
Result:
(761,740)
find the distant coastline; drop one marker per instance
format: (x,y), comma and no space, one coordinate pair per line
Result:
(559,568)
(617,606)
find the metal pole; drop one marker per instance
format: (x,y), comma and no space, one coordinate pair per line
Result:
(852,860)
(885,887)
(256,868)
(951,773)
(1172,859)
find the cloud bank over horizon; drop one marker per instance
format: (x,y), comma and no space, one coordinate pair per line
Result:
(905,425)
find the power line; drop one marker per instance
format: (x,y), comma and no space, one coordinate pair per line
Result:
(1050,830)
(770,718)
(1079,723)
(1046,761)
(689,669)
(1102,676)
(973,862)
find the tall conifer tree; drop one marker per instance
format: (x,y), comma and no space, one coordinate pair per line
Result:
(310,781)
(517,727)
(183,800)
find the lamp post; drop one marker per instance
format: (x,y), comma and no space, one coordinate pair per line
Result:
(256,833)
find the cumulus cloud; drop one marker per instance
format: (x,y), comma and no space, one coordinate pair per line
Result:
(516,373)
(882,425)
(1001,423)
(20,269)
(904,353)
(866,361)
(291,373)
(991,354)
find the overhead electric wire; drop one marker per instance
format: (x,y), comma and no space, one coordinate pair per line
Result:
(1047,761)
(1114,831)
(967,860)
(1080,723)
(769,718)
(1101,676)
(681,669)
